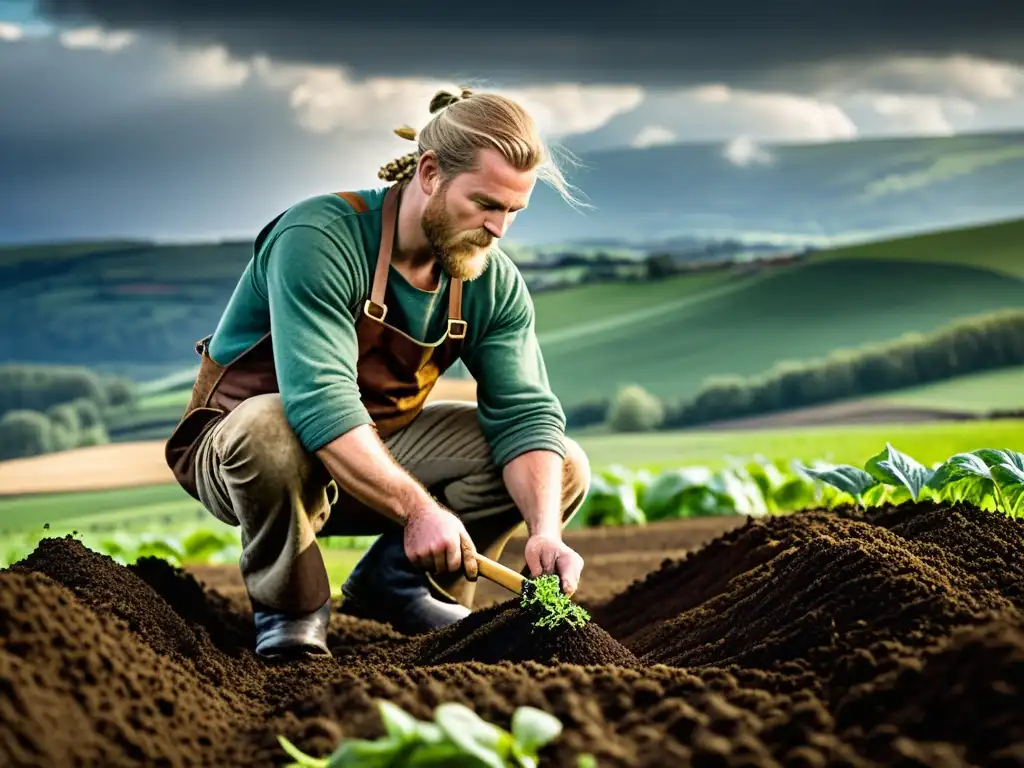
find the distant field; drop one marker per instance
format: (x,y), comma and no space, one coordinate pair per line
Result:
(745,328)
(999,247)
(926,442)
(981,392)
(573,308)
(57,509)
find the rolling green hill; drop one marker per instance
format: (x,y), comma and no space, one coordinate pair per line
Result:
(999,247)
(668,336)
(1000,390)
(745,327)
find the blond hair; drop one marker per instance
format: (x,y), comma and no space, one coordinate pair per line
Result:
(467,122)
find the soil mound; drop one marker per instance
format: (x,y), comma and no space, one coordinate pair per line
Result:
(77,686)
(891,637)
(506,632)
(822,592)
(971,684)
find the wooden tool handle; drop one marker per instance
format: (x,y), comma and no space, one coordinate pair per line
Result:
(500,574)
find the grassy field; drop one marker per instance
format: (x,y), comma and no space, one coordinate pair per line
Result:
(852,444)
(744,328)
(927,442)
(63,509)
(998,247)
(981,392)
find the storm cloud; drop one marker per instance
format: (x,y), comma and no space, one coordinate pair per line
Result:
(180,119)
(744,43)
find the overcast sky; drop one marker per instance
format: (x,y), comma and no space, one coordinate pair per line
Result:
(186,118)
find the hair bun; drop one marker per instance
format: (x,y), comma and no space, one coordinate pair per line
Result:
(444,99)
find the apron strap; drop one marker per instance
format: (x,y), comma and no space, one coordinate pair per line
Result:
(374,307)
(456,325)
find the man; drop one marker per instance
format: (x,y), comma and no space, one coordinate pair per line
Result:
(308,419)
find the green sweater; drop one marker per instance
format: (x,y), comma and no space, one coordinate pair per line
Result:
(307,283)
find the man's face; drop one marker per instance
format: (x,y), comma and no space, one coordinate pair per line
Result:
(466,214)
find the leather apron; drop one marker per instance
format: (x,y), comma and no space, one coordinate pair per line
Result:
(395,372)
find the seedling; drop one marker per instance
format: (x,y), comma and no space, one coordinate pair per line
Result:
(545,592)
(975,477)
(457,737)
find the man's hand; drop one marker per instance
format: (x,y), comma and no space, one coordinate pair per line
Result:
(547,555)
(436,540)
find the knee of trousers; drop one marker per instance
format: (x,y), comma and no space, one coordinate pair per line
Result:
(258,450)
(575,478)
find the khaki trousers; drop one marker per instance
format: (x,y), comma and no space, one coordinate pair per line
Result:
(252,472)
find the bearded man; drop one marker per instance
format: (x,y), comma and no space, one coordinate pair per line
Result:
(308,415)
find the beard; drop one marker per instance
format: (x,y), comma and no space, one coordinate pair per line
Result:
(463,255)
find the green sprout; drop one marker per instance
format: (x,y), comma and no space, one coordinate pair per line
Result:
(546,591)
(457,737)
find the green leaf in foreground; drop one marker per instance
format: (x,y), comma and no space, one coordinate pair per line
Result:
(458,738)
(1010,480)
(895,468)
(558,607)
(995,456)
(852,480)
(963,476)
(533,728)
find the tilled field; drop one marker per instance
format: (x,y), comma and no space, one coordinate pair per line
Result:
(894,637)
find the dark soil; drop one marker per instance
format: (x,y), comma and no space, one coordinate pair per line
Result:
(837,638)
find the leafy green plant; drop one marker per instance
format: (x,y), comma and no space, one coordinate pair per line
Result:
(198,545)
(976,477)
(207,544)
(457,737)
(619,496)
(546,593)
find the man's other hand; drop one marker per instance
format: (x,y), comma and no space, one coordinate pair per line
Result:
(437,541)
(547,555)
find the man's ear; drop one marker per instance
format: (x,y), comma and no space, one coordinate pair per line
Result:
(428,172)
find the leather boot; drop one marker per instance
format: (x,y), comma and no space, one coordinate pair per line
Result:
(287,635)
(386,587)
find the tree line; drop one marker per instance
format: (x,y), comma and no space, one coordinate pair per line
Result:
(45,408)
(970,345)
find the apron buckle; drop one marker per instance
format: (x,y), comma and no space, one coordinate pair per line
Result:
(383,310)
(452,324)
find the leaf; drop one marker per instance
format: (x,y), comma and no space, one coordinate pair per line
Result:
(443,754)
(664,495)
(874,495)
(158,548)
(895,468)
(398,723)
(743,491)
(1010,479)
(532,728)
(199,545)
(364,753)
(612,502)
(474,735)
(962,476)
(957,468)
(994,457)
(300,757)
(793,494)
(848,479)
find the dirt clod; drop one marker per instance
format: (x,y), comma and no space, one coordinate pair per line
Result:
(892,637)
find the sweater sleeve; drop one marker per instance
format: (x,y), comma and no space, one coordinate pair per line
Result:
(311,281)
(517,410)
